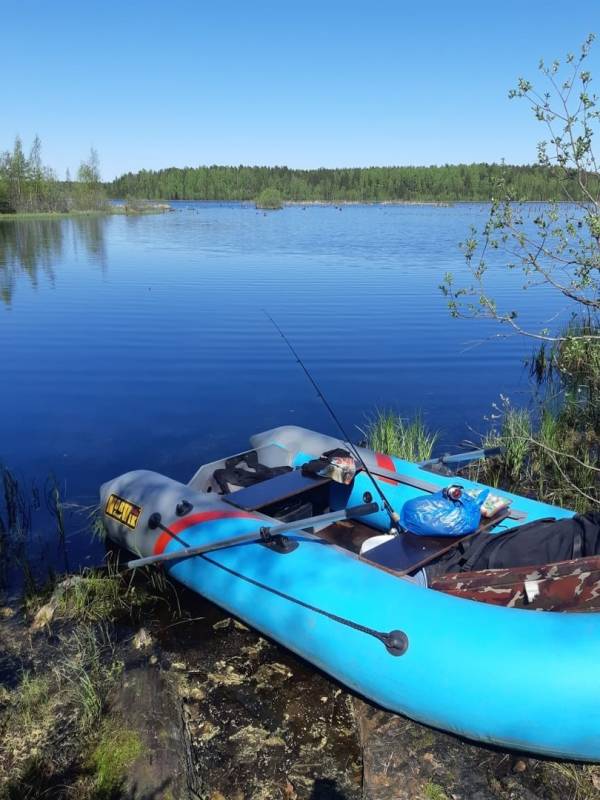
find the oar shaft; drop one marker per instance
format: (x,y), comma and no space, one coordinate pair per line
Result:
(458,458)
(275,530)
(332,516)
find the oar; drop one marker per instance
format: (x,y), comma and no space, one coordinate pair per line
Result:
(458,458)
(265,533)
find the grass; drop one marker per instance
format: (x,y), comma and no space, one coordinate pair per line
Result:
(513,436)
(582,780)
(94,597)
(87,671)
(117,748)
(50,721)
(32,697)
(548,458)
(389,433)
(433,791)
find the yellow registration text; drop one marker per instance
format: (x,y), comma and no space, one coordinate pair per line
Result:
(123,511)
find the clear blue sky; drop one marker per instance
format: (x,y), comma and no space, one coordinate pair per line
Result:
(307,84)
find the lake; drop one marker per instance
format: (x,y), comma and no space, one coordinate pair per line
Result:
(141,342)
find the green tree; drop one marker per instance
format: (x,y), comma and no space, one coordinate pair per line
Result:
(561,249)
(557,251)
(17,175)
(90,192)
(89,171)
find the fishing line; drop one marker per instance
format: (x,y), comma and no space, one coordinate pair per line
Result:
(394,516)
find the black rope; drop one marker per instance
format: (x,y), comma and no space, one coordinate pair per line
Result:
(394,516)
(396,642)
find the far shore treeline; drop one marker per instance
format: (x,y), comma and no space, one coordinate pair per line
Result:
(370,184)
(29,186)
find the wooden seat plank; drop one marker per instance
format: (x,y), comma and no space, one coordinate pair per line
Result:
(409,552)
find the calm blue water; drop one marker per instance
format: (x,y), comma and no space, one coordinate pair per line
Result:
(140,342)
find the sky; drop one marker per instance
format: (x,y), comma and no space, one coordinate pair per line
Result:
(302,83)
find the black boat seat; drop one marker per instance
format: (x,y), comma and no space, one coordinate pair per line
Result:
(274,490)
(270,456)
(244,470)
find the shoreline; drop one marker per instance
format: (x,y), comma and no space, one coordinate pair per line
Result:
(440,203)
(113,210)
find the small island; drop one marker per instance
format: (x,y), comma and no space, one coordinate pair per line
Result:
(269,199)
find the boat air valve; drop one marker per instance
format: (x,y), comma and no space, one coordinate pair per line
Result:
(183,507)
(155,521)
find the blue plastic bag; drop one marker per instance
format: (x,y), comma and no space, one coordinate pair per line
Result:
(439,515)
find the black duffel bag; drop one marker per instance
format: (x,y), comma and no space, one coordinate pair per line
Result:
(544,541)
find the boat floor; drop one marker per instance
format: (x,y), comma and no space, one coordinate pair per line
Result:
(348,534)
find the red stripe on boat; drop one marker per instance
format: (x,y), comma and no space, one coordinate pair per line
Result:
(195,519)
(385,462)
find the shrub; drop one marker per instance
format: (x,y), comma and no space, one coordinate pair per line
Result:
(269,198)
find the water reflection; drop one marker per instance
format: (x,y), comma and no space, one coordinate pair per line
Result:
(34,246)
(89,232)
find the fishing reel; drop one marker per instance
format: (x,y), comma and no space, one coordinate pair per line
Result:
(453,492)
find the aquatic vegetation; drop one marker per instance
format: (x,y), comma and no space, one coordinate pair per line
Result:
(545,454)
(388,432)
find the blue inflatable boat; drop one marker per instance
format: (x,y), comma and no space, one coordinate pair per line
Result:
(507,676)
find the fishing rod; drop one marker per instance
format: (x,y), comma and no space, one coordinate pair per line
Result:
(394,516)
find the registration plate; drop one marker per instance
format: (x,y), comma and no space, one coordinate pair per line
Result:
(123,511)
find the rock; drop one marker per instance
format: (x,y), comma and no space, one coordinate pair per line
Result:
(253,650)
(252,738)
(271,675)
(208,731)
(223,624)
(6,612)
(142,639)
(274,741)
(519,766)
(44,616)
(227,678)
(179,666)
(189,692)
